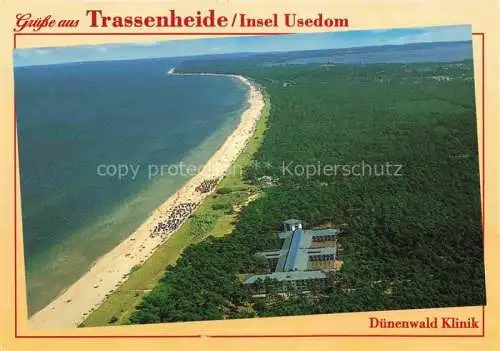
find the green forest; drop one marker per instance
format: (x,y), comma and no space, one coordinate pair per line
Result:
(412,240)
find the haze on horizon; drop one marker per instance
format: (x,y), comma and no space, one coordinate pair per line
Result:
(240,44)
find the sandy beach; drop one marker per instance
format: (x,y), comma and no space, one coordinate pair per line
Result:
(71,307)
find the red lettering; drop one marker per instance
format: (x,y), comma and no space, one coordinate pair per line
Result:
(26,20)
(93,14)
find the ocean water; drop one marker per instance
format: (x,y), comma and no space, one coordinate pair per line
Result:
(412,53)
(73,118)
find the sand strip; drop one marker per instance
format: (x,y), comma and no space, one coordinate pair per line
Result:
(70,308)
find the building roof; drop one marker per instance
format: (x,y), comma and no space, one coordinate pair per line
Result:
(294,248)
(287,276)
(284,235)
(269,254)
(320,251)
(305,240)
(292,221)
(310,232)
(302,259)
(280,267)
(322,232)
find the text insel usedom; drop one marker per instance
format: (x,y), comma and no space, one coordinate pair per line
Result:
(268,22)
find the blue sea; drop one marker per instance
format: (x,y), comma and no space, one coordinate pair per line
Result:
(73,119)
(410,53)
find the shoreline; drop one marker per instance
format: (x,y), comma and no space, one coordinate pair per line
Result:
(109,271)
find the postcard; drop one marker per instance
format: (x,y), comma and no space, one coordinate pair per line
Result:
(288,175)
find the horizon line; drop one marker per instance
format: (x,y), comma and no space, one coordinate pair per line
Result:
(250,53)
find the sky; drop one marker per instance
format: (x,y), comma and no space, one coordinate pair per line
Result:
(253,44)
